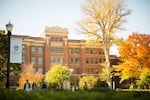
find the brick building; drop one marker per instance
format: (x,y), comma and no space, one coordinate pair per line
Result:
(53,46)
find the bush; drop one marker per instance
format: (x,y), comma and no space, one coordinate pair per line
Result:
(93,83)
(90,80)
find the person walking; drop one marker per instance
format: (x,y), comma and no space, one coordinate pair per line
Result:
(34,88)
(85,86)
(44,85)
(27,86)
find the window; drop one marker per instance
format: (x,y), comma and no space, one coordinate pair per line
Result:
(40,70)
(56,50)
(70,51)
(60,39)
(23,48)
(87,61)
(52,60)
(77,51)
(95,51)
(23,59)
(87,50)
(61,60)
(96,61)
(52,38)
(71,61)
(57,39)
(52,50)
(77,61)
(40,60)
(91,60)
(61,50)
(100,52)
(91,51)
(56,60)
(32,49)
(40,49)
(100,60)
(33,60)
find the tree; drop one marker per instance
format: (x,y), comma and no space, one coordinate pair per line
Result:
(104,75)
(90,80)
(4,56)
(57,75)
(145,78)
(102,19)
(135,57)
(28,74)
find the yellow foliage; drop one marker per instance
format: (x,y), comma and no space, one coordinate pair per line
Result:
(57,74)
(90,80)
(104,75)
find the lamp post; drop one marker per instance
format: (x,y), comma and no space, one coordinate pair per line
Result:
(9,28)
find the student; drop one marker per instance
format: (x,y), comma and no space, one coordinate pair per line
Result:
(27,86)
(34,87)
(85,86)
(43,85)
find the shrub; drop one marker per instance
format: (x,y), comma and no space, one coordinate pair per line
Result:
(90,80)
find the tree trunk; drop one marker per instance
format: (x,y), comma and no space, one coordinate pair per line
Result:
(107,63)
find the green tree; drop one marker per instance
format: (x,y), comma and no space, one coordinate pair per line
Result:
(3,53)
(4,56)
(102,19)
(57,75)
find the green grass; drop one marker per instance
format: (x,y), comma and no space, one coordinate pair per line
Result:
(69,95)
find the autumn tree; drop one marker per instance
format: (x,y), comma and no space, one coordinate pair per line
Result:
(135,57)
(102,19)
(144,79)
(57,75)
(90,80)
(104,75)
(28,74)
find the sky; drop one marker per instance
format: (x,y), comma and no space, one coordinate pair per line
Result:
(29,17)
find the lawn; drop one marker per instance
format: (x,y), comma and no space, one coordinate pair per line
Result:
(69,95)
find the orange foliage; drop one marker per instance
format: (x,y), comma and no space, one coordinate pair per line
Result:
(27,73)
(135,55)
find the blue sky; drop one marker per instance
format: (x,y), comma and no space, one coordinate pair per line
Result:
(29,17)
(139,20)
